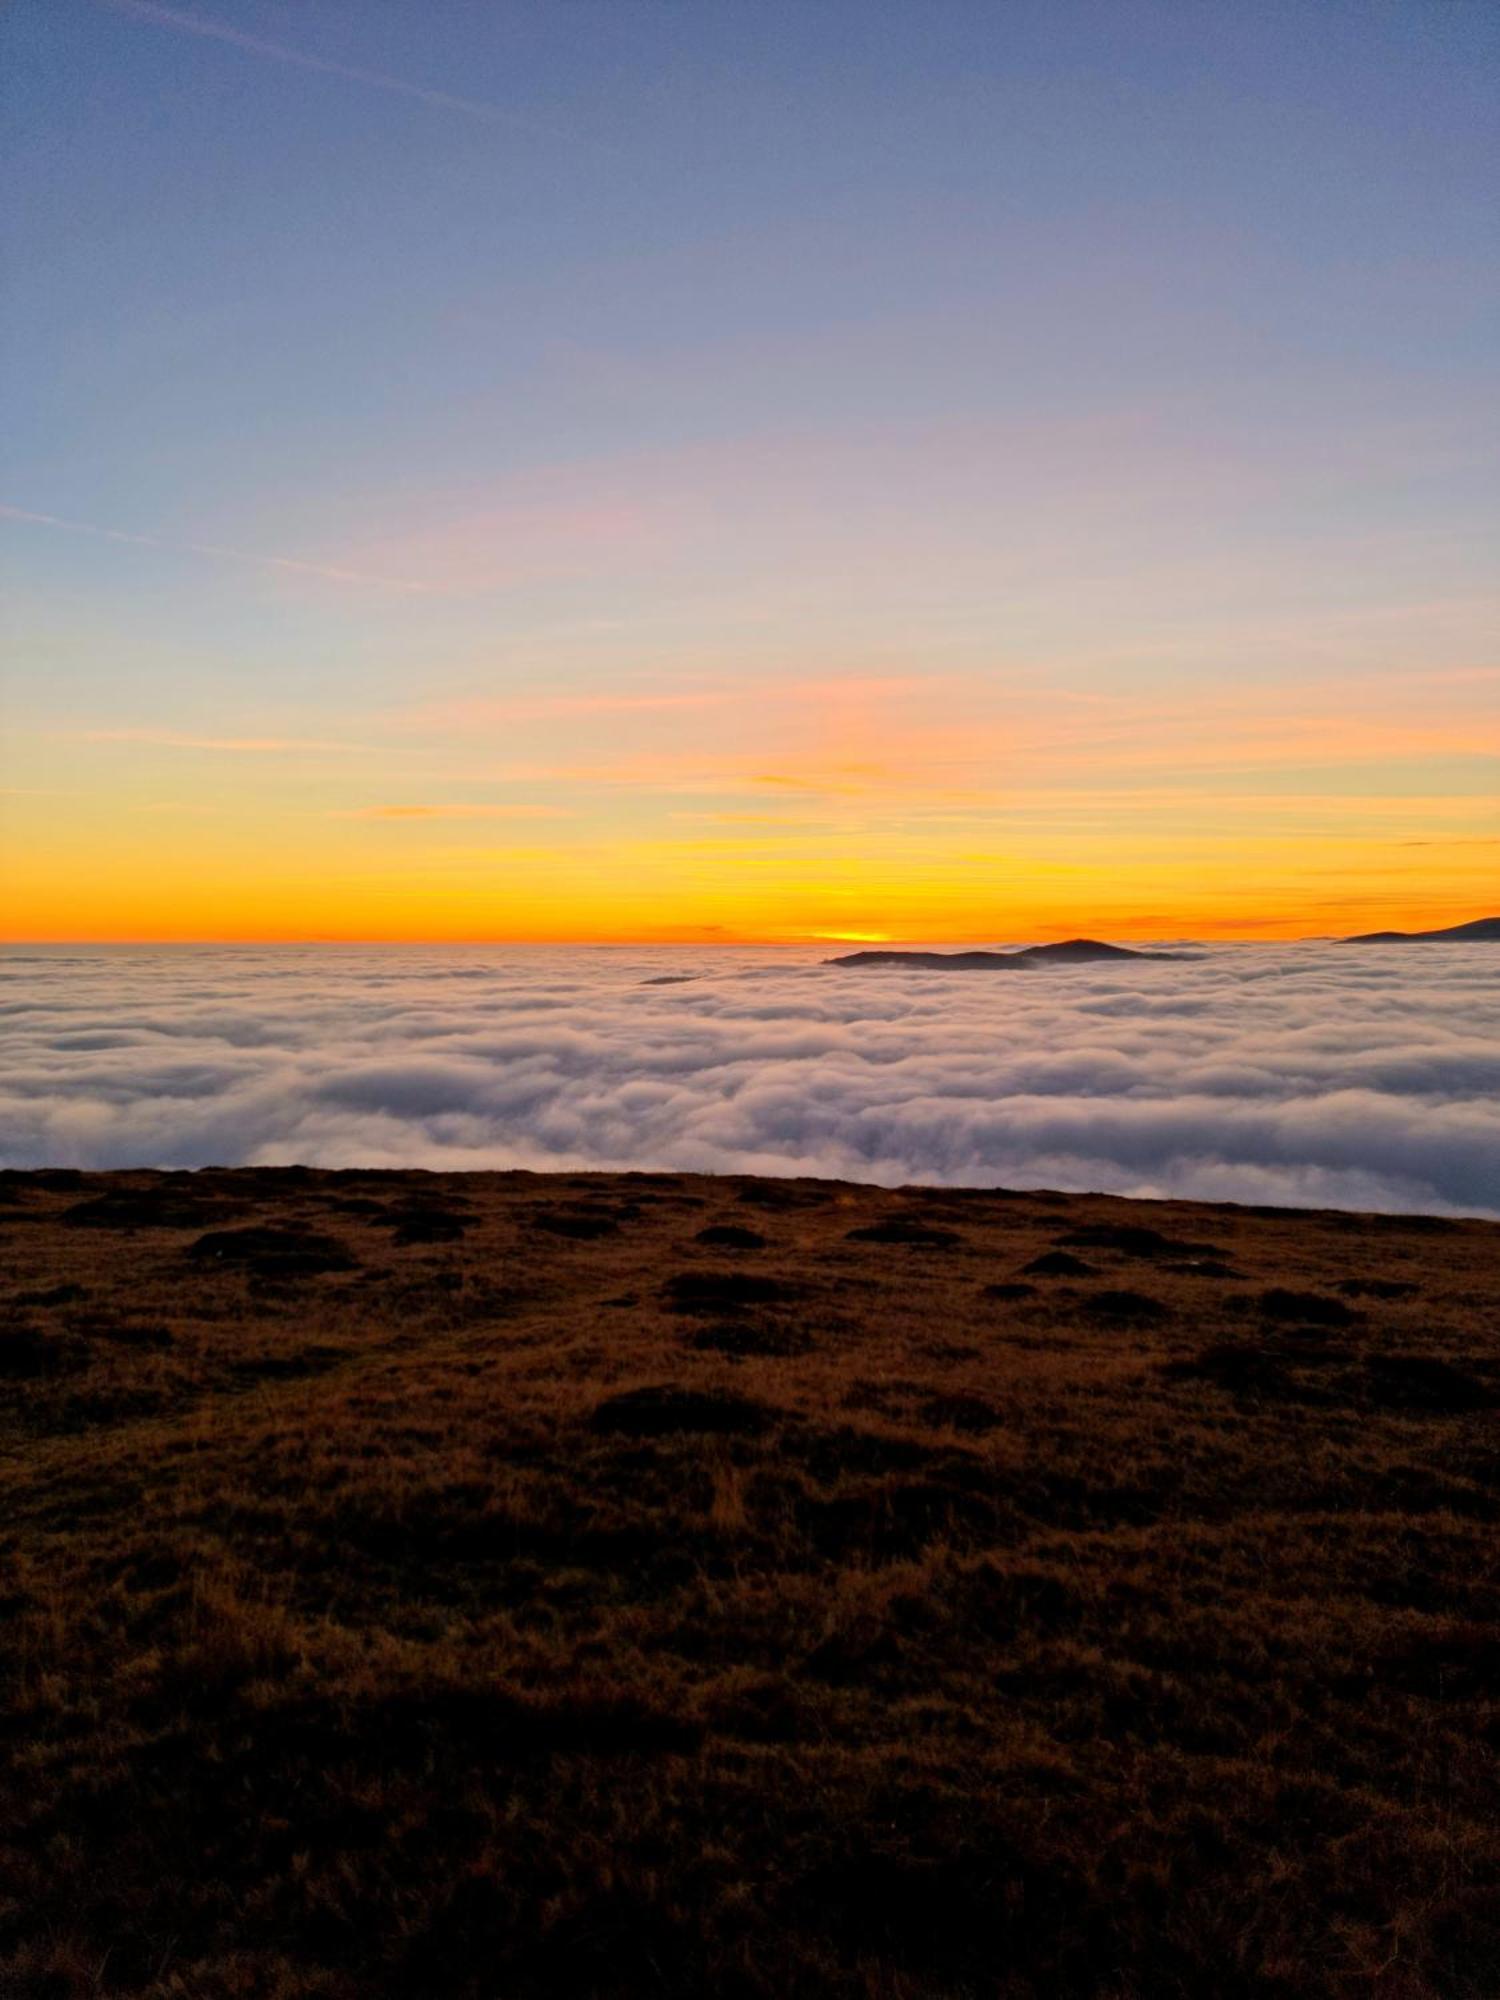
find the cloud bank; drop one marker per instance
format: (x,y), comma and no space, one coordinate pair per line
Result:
(1338,1076)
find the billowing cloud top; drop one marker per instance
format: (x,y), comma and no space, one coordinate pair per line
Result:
(1359,1077)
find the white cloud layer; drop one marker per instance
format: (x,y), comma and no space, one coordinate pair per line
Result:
(1338,1076)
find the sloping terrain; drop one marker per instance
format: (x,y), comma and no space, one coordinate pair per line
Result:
(1483,930)
(1072,951)
(493,1585)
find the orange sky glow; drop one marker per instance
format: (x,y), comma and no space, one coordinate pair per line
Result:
(785,812)
(997,474)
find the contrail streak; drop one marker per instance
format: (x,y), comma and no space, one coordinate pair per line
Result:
(219,31)
(216,549)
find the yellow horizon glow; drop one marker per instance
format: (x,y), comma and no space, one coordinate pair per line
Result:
(933,498)
(829,808)
(567,904)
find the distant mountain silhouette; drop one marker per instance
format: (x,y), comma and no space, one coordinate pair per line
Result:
(1076,951)
(1483,930)
(1083,951)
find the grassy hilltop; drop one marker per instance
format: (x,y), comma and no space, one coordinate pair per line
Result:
(511,1585)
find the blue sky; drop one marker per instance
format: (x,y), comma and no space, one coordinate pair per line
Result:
(629,350)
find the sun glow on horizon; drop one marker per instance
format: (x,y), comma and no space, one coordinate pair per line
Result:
(947,495)
(851,937)
(982,805)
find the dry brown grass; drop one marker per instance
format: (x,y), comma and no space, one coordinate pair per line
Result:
(480,1586)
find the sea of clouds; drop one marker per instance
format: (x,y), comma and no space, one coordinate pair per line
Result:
(1309,1074)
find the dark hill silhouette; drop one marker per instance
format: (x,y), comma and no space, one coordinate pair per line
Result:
(1483,930)
(1075,951)
(1084,951)
(948,961)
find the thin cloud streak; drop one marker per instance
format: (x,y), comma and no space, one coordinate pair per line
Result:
(470,711)
(396,86)
(451,812)
(169,739)
(296,564)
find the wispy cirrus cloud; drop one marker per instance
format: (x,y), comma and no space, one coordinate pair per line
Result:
(374,79)
(295,565)
(464,712)
(172,739)
(840,695)
(451,812)
(979,735)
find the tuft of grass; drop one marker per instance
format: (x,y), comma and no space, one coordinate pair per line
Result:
(422,1584)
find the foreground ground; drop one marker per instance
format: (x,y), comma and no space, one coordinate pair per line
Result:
(502,1585)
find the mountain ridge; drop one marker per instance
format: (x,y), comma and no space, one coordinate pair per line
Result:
(1071,951)
(1482,930)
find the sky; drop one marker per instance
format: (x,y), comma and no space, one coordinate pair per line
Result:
(625,470)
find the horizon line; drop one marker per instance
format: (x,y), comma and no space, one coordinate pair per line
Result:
(718,942)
